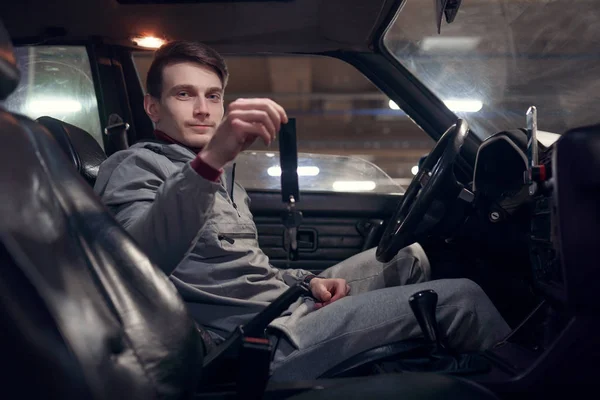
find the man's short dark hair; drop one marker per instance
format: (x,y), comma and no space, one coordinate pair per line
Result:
(183,51)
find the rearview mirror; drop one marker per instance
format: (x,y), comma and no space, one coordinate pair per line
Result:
(448,8)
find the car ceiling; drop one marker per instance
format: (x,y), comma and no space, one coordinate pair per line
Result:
(331,89)
(229,26)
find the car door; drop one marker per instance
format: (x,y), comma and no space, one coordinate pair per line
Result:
(345,202)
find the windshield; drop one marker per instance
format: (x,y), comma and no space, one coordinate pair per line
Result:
(499,57)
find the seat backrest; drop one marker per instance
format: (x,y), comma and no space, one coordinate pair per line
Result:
(81,148)
(84,313)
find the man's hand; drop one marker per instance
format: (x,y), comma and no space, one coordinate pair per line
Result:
(245,121)
(326,291)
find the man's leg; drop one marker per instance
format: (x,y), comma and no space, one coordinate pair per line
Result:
(323,338)
(364,273)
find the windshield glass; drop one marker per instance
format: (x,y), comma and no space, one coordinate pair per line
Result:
(499,57)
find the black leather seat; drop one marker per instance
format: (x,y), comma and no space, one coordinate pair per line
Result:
(81,148)
(84,313)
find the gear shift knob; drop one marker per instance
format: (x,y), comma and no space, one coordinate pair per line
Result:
(423,305)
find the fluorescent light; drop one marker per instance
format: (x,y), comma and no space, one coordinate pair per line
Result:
(393,105)
(449,44)
(308,171)
(149,42)
(456,105)
(415,169)
(49,106)
(302,171)
(270,154)
(463,105)
(353,186)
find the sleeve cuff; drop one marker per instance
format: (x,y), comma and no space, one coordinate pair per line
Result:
(206,171)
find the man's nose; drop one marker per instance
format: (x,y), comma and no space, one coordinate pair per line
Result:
(201,107)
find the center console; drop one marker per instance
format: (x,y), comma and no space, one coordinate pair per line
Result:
(564,186)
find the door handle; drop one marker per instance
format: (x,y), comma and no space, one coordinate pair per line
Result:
(306,239)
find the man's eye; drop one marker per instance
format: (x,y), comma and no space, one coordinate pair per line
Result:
(183,94)
(214,96)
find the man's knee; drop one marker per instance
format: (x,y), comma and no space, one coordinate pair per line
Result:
(466,292)
(414,255)
(475,323)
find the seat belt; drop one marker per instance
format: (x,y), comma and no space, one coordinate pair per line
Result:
(290,191)
(116,131)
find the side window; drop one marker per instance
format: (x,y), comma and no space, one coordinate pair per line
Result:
(347,129)
(56,81)
(316,173)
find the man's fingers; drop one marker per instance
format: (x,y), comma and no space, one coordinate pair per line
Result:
(339,291)
(321,292)
(255,116)
(275,111)
(247,129)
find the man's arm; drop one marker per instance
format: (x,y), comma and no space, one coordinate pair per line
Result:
(163,209)
(161,206)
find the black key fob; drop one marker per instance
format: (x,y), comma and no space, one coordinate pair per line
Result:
(288,161)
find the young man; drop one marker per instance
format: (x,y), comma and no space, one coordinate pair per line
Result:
(176,198)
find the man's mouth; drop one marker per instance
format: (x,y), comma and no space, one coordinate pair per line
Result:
(201,127)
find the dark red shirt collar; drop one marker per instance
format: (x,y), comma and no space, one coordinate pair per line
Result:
(160,135)
(202,168)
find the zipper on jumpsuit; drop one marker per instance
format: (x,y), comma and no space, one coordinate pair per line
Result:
(230,192)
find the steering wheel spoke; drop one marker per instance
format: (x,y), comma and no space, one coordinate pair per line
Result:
(424,178)
(434,182)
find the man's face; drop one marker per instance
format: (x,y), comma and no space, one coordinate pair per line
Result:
(191,104)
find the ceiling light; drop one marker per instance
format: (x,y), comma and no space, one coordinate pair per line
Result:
(353,186)
(270,154)
(463,105)
(302,171)
(149,42)
(415,169)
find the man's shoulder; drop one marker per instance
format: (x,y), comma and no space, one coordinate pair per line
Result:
(139,156)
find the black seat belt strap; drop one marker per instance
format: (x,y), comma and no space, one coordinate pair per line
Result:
(116,131)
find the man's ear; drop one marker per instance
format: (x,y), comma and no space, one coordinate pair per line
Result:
(152,107)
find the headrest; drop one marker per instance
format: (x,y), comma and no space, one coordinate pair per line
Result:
(9,73)
(80,147)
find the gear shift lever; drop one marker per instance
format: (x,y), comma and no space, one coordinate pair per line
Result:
(423,305)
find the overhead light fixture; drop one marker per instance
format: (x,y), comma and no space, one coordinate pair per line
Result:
(455,105)
(49,106)
(353,186)
(149,42)
(270,154)
(302,171)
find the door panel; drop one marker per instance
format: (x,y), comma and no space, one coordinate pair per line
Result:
(335,227)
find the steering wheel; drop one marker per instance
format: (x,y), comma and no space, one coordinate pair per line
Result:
(433,189)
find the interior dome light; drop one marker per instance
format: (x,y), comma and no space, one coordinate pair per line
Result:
(149,42)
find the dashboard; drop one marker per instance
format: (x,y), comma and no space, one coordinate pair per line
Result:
(500,179)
